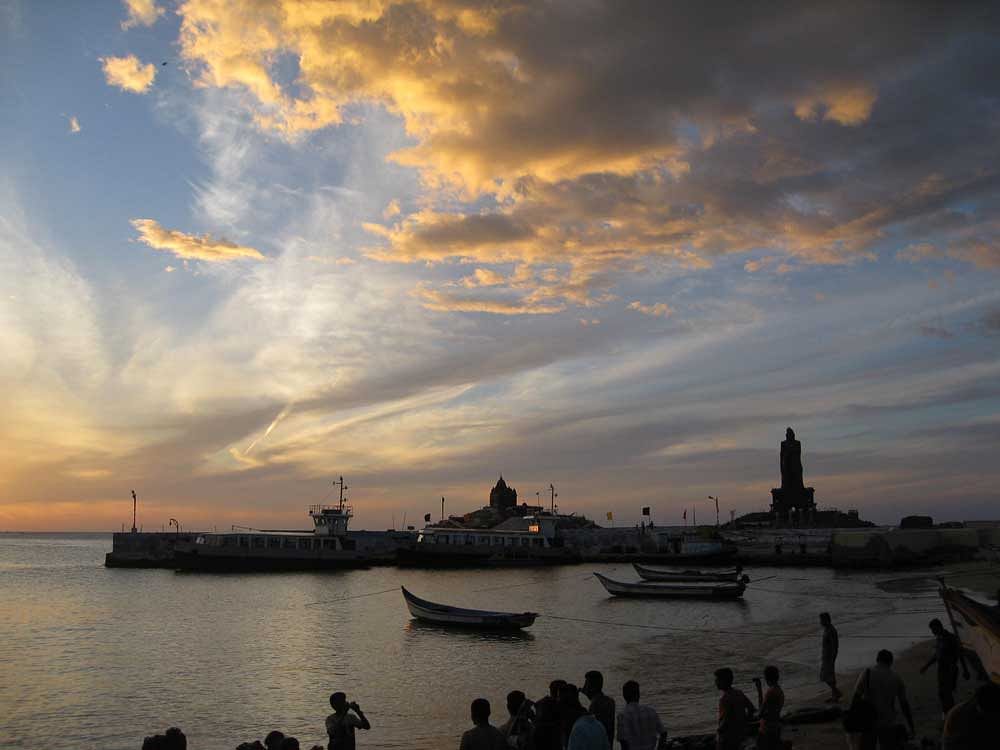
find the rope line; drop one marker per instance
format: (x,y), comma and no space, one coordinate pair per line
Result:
(674,628)
(355,596)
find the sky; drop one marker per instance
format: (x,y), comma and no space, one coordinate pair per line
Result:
(248,247)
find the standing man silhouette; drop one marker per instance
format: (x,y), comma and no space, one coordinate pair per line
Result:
(828,657)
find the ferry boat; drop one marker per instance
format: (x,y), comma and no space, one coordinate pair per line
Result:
(538,543)
(326,547)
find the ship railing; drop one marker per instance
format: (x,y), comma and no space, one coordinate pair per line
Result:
(346,508)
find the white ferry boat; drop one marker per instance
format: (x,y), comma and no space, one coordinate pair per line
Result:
(537,543)
(326,547)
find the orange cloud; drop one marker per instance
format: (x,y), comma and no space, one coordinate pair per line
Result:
(849,105)
(192,246)
(128,73)
(483,277)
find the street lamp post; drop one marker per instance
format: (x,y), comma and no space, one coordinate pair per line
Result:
(716,509)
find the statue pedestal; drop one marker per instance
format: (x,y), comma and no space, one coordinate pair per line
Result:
(797,504)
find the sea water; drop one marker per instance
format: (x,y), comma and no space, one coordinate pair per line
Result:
(98,658)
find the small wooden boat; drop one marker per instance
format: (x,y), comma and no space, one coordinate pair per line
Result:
(690,576)
(442,614)
(674,590)
(977,625)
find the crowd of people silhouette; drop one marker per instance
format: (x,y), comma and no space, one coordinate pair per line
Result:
(560,721)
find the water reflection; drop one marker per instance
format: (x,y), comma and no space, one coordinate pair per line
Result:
(420,629)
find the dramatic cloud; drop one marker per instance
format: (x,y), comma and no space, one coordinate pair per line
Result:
(128,73)
(141,13)
(560,134)
(192,246)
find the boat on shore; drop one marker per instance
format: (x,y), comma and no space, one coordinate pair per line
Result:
(680,590)
(690,576)
(443,614)
(977,625)
(535,545)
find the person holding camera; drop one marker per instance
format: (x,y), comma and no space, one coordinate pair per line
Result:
(340,725)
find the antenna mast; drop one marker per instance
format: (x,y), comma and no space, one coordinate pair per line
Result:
(342,488)
(552,499)
(134,501)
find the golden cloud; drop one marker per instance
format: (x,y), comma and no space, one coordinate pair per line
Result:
(850,105)
(483,277)
(141,13)
(192,246)
(549,136)
(439,301)
(128,73)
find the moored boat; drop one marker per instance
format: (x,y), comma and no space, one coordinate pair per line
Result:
(690,576)
(538,543)
(326,547)
(678,590)
(977,625)
(443,614)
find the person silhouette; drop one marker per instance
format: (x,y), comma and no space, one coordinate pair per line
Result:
(483,735)
(340,725)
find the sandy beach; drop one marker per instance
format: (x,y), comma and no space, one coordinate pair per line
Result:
(921,689)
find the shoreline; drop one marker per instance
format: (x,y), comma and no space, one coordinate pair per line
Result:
(921,689)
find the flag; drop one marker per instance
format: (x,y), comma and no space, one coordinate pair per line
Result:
(610,516)
(645,510)
(427,517)
(685,516)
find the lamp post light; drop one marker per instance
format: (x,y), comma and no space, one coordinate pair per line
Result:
(710,497)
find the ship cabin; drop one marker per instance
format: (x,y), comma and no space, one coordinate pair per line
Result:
(329,534)
(534,532)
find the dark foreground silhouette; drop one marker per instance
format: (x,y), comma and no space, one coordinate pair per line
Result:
(877,716)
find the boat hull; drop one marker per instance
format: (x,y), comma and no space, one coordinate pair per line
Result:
(978,626)
(689,576)
(673,590)
(440,556)
(456,617)
(262,563)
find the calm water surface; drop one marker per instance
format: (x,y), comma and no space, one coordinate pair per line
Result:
(98,658)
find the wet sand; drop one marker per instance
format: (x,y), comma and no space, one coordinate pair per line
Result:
(920,688)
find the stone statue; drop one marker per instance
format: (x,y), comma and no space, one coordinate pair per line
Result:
(791,462)
(793,501)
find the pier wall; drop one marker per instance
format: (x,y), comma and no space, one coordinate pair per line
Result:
(888,547)
(145,549)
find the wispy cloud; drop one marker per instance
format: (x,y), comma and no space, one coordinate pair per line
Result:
(128,73)
(656,310)
(192,246)
(441,301)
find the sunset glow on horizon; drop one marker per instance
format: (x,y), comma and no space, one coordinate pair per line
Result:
(246,247)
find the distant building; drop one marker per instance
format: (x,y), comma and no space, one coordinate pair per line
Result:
(502,497)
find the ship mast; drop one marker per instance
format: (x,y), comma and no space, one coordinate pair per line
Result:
(342,488)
